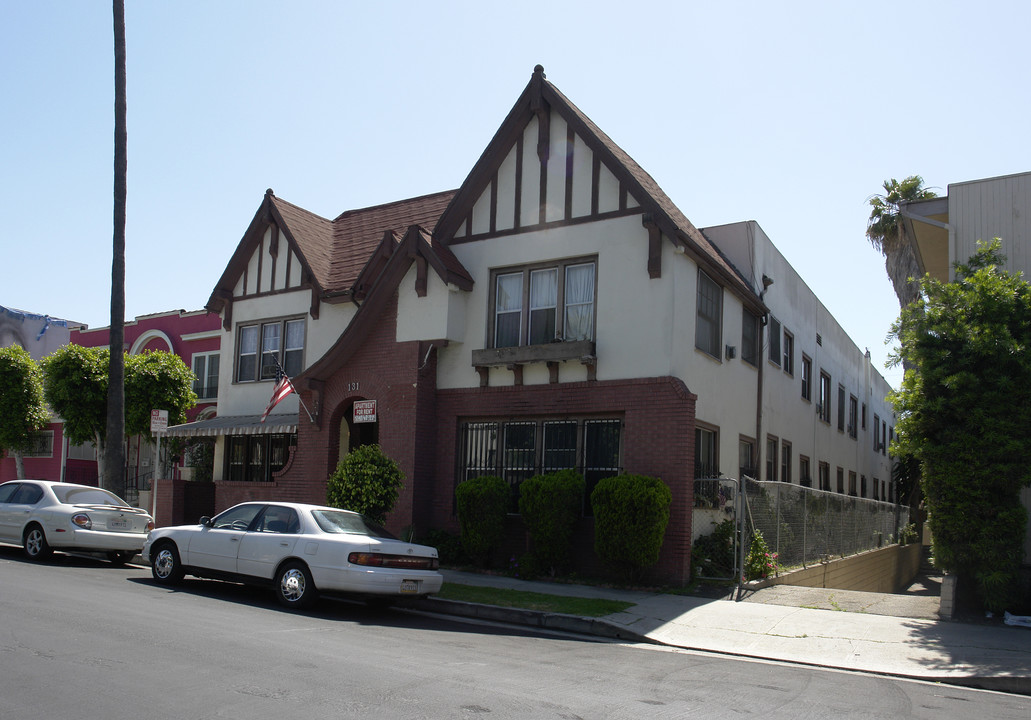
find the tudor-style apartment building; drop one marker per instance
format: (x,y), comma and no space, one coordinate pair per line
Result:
(557,310)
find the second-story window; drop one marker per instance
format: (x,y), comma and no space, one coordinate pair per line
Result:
(205,371)
(280,340)
(538,305)
(708,332)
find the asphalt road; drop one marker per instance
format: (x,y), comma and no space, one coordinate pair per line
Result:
(80,638)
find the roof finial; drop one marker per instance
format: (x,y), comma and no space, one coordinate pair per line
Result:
(269,191)
(539,70)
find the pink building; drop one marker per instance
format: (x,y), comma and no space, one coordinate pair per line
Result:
(193,336)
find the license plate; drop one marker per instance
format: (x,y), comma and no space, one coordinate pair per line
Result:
(409,587)
(119,524)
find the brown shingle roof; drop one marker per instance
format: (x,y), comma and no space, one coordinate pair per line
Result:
(337,250)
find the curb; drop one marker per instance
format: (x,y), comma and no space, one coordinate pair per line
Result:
(532,618)
(602,628)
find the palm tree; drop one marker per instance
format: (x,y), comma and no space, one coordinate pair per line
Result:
(114,451)
(886,232)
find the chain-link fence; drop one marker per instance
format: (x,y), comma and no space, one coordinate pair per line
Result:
(805,526)
(714,546)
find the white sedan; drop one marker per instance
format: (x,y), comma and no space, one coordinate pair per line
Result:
(43,515)
(297,549)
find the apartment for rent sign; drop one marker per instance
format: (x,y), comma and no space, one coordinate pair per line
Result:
(364,411)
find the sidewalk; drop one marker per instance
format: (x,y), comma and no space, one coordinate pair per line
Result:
(771,627)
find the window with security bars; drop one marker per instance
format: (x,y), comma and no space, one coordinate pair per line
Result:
(254,458)
(40,445)
(519,449)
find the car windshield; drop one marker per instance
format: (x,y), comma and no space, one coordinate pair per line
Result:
(340,522)
(87,496)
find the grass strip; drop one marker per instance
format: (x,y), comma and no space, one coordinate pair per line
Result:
(584,607)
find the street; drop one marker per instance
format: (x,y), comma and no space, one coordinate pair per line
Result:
(83,638)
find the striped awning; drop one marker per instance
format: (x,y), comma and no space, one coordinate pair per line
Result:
(236,425)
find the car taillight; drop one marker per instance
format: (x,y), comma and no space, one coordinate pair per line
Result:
(402,562)
(82,520)
(150,526)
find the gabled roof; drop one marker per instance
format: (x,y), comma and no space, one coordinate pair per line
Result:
(333,253)
(415,247)
(537,97)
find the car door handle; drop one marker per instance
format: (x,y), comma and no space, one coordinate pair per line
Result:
(234,539)
(284,544)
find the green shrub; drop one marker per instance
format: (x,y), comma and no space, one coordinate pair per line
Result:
(712,555)
(482,506)
(449,547)
(630,517)
(550,506)
(367,482)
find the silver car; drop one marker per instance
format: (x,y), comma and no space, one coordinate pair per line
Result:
(43,515)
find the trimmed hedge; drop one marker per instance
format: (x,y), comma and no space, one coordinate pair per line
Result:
(630,517)
(482,506)
(550,505)
(367,482)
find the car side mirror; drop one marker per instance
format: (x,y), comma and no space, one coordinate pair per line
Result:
(205,521)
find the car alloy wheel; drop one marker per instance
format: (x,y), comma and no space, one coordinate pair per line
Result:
(294,586)
(36,545)
(165,565)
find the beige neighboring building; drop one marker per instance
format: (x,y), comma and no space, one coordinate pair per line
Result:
(947,229)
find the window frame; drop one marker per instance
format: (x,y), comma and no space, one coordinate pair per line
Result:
(789,353)
(285,354)
(709,436)
(488,448)
(776,329)
(750,350)
(715,335)
(807,378)
(239,462)
(823,407)
(785,461)
(560,308)
(772,458)
(201,386)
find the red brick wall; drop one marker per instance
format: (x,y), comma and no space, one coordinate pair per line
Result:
(658,440)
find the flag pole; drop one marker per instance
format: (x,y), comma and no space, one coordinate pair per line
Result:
(290,380)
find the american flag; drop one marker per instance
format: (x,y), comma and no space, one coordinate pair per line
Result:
(283,388)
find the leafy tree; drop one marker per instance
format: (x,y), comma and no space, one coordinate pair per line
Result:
(75,384)
(964,408)
(75,380)
(156,381)
(367,482)
(887,233)
(22,409)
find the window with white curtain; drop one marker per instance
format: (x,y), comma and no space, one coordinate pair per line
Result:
(261,347)
(544,303)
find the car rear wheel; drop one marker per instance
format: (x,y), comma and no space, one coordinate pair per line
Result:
(35,543)
(120,557)
(294,586)
(165,565)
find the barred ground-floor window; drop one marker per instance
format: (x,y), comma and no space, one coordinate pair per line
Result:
(515,450)
(253,458)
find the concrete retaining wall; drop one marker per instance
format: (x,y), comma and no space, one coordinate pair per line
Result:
(887,570)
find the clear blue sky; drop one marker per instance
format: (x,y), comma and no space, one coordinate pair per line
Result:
(790,114)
